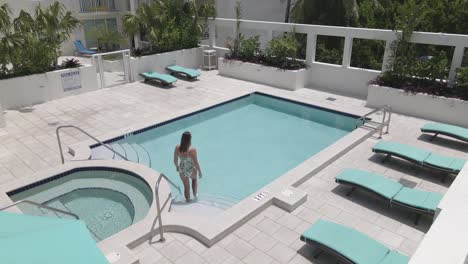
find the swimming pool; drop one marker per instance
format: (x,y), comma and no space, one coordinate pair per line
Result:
(242,145)
(108,201)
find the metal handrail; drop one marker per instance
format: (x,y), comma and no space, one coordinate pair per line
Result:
(86,133)
(111,52)
(385,123)
(383,108)
(158,204)
(40,205)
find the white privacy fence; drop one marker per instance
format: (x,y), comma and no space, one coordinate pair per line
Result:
(343,78)
(112,68)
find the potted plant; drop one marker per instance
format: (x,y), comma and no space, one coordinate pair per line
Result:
(276,65)
(418,85)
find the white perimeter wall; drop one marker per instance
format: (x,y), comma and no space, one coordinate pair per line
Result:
(339,79)
(38,88)
(447,240)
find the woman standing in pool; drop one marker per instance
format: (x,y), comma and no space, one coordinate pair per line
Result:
(188,166)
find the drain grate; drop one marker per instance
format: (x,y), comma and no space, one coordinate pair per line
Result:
(331,99)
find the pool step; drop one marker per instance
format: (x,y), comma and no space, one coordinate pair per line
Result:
(58,205)
(101,153)
(119,149)
(131,153)
(217,200)
(143,155)
(204,201)
(196,208)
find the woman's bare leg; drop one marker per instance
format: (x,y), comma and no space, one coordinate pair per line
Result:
(195,187)
(186,183)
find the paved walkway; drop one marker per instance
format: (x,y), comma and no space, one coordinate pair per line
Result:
(28,144)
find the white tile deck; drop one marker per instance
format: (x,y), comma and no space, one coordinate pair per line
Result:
(28,145)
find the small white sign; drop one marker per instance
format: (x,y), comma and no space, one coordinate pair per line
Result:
(71,80)
(260,196)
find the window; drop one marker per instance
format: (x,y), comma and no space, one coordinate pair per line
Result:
(93,30)
(97,5)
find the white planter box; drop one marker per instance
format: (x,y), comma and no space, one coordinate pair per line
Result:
(257,73)
(191,58)
(38,88)
(440,109)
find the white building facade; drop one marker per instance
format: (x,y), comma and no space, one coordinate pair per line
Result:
(95,16)
(260,10)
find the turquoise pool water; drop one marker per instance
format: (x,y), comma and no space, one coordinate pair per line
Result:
(245,144)
(107,201)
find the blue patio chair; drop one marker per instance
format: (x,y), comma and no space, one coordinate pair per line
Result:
(81,49)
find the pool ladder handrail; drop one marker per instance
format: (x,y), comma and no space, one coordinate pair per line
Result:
(158,204)
(386,109)
(57,132)
(39,205)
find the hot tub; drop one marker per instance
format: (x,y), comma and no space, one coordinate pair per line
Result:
(108,200)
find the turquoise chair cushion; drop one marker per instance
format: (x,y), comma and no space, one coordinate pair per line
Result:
(348,242)
(455,131)
(377,183)
(158,76)
(394,257)
(46,240)
(413,153)
(444,162)
(417,198)
(190,72)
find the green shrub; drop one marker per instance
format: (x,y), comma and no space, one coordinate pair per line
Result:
(31,44)
(282,53)
(461,86)
(332,55)
(249,48)
(462,76)
(71,63)
(413,73)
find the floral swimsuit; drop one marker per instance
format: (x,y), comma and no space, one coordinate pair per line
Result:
(186,166)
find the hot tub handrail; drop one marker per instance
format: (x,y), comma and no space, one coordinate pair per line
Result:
(87,134)
(40,205)
(158,204)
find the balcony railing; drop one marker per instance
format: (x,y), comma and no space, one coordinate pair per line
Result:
(323,74)
(97,6)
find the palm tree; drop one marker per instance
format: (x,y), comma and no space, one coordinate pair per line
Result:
(148,19)
(55,25)
(10,41)
(155,19)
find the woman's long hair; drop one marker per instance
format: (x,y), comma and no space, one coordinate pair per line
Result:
(185,142)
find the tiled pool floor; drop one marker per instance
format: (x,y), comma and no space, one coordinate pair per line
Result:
(28,145)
